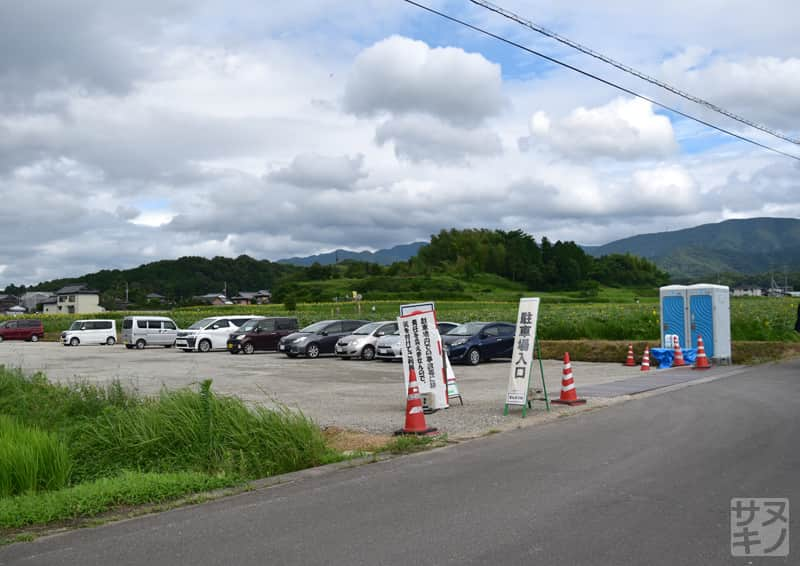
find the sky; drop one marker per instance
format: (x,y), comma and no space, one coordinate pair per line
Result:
(134,132)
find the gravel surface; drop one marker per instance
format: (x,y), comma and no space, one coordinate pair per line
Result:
(365,396)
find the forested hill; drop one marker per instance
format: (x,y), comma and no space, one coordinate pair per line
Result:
(747,246)
(403,252)
(459,254)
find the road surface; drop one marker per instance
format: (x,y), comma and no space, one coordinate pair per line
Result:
(645,482)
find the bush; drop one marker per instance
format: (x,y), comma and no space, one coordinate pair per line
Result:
(30,459)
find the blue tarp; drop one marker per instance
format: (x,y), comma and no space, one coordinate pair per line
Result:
(663,356)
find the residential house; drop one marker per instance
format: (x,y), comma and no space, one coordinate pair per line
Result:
(213,299)
(32,299)
(8,301)
(75,299)
(155,298)
(262,297)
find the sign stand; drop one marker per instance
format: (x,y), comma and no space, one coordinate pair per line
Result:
(528,404)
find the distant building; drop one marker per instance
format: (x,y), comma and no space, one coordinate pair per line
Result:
(213,299)
(15,310)
(8,301)
(32,299)
(747,292)
(262,297)
(74,299)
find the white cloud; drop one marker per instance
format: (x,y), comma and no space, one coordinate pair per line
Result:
(621,129)
(401,76)
(321,172)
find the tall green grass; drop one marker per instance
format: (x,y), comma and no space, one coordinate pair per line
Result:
(197,431)
(31,460)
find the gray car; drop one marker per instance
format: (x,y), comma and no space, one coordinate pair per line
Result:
(361,343)
(389,347)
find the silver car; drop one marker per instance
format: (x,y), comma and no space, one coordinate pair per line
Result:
(389,347)
(361,343)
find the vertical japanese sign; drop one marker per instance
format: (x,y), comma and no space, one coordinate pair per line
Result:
(422,351)
(522,358)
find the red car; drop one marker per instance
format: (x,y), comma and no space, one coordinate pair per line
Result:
(21,329)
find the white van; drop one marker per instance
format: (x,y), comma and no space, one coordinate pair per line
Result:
(211,333)
(141,331)
(90,332)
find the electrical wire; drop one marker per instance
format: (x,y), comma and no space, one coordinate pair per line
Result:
(597,78)
(621,66)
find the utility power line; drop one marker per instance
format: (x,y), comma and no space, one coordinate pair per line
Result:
(583,49)
(598,78)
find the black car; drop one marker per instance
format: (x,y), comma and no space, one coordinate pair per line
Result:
(472,342)
(261,334)
(318,338)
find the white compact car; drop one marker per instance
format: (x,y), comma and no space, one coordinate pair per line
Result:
(90,332)
(361,343)
(210,333)
(389,348)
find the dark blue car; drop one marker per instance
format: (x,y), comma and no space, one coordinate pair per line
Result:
(475,341)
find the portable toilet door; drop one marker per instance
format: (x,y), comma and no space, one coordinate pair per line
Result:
(673,314)
(709,317)
(701,321)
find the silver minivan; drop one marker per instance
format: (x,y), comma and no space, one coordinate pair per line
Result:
(141,331)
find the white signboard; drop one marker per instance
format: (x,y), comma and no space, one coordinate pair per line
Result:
(422,352)
(522,359)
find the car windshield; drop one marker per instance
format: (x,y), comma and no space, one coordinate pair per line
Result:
(201,323)
(316,327)
(467,329)
(76,325)
(368,328)
(250,325)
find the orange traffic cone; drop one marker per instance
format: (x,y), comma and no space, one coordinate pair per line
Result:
(630,362)
(415,418)
(568,394)
(645,359)
(702,359)
(678,354)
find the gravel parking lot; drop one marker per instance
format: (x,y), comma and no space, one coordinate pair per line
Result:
(364,396)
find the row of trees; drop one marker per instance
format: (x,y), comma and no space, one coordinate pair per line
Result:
(460,254)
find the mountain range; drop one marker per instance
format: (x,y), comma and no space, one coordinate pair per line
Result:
(388,256)
(746,246)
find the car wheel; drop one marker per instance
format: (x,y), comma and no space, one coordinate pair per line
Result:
(110,341)
(473,357)
(312,351)
(248,348)
(140,344)
(204,346)
(34,338)
(74,342)
(368,353)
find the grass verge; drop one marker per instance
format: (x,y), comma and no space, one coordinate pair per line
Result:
(88,499)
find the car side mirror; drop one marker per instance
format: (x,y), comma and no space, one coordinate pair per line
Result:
(379,334)
(483,336)
(215,327)
(323,333)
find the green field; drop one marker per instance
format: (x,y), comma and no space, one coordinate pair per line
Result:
(613,314)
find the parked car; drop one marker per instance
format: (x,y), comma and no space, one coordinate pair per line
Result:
(361,343)
(475,341)
(261,334)
(94,331)
(389,347)
(318,338)
(21,329)
(210,333)
(141,331)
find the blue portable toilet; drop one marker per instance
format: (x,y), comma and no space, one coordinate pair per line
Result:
(689,311)
(710,317)
(673,315)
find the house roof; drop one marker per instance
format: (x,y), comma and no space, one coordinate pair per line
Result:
(252,294)
(154,296)
(79,289)
(50,301)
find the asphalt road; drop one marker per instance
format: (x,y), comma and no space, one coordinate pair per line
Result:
(645,482)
